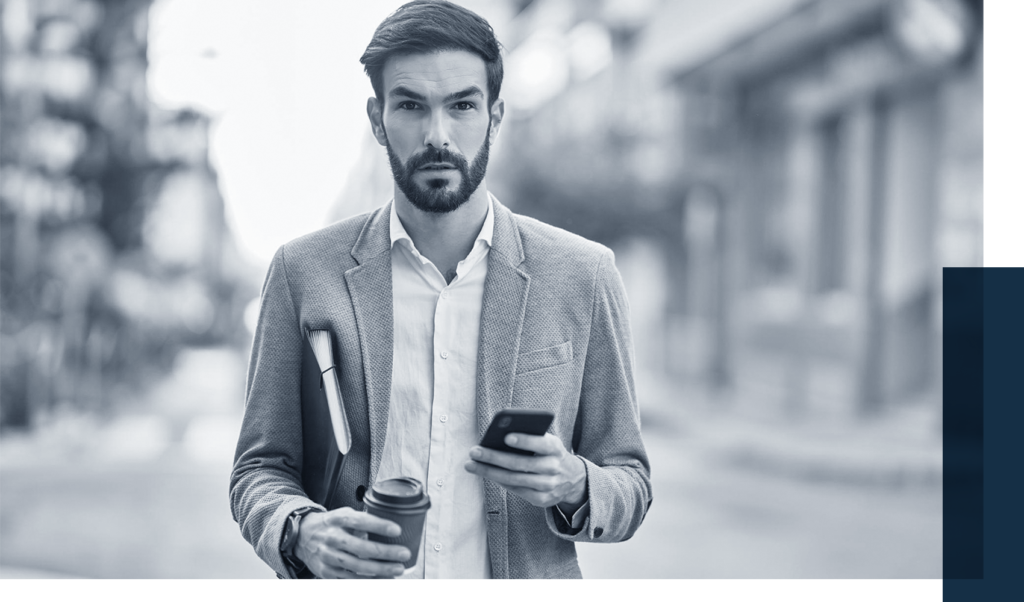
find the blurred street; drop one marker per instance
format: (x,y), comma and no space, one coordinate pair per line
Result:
(142,496)
(146,495)
(783,184)
(740,497)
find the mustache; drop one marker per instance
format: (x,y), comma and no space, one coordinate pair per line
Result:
(436,155)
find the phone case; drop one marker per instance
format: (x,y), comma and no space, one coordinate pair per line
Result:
(530,422)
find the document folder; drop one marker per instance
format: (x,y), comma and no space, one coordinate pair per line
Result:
(329,392)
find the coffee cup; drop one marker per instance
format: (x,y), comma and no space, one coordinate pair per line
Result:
(403,501)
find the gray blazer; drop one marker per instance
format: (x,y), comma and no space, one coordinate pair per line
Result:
(554,335)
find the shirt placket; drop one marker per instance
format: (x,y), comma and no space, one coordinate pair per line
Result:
(436,464)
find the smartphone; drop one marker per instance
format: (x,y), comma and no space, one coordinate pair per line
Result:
(530,422)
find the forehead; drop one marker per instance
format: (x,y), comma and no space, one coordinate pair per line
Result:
(436,73)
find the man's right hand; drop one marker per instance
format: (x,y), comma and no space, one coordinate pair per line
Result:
(334,546)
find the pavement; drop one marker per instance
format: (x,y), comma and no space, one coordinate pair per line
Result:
(737,493)
(899,448)
(139,494)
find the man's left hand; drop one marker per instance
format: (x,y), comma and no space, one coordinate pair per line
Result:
(551,477)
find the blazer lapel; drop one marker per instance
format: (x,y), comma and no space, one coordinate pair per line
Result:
(369,286)
(501,324)
(501,319)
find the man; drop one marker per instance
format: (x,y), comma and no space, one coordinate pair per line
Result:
(444,307)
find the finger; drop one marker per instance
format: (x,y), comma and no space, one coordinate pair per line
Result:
(374,568)
(371,550)
(534,497)
(343,561)
(515,462)
(362,521)
(332,572)
(510,478)
(338,572)
(544,445)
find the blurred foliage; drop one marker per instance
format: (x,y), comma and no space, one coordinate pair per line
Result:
(113,248)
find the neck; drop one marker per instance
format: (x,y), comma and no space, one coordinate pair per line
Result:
(444,238)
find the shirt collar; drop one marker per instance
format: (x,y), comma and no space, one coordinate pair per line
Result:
(486,234)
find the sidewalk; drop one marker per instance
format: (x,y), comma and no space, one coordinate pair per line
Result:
(741,495)
(736,495)
(143,494)
(900,448)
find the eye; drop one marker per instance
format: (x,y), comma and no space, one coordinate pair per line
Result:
(408,105)
(464,106)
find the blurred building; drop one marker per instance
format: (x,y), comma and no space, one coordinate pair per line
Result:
(114,247)
(843,146)
(802,170)
(782,180)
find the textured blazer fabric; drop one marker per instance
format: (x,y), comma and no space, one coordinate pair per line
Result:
(554,335)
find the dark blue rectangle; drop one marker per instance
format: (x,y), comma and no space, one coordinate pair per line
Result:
(983,414)
(962,423)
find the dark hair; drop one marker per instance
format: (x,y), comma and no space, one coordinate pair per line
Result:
(427,26)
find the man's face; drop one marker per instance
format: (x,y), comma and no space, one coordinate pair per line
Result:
(436,126)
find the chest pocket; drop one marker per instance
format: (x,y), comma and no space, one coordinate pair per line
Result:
(548,357)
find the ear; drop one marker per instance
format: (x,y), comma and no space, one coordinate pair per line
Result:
(497,114)
(375,112)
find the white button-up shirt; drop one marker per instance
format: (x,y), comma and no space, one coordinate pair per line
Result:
(432,418)
(431,421)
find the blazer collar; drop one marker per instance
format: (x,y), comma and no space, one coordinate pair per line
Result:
(506,241)
(375,237)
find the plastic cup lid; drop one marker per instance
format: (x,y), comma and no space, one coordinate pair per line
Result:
(401,491)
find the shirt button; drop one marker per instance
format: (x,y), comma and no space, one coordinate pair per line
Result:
(443,418)
(440,482)
(437,547)
(444,355)
(444,294)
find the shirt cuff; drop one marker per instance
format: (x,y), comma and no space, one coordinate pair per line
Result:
(578,517)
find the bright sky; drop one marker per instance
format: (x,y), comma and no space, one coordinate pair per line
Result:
(283,82)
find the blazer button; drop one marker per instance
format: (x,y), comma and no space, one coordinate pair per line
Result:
(360,492)
(598,532)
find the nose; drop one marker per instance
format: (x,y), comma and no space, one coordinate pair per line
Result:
(437,131)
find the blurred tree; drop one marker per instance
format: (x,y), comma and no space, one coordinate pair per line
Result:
(89,300)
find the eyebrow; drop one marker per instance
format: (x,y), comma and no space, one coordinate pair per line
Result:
(405,92)
(468,92)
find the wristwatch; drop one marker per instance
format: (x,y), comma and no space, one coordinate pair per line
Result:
(291,537)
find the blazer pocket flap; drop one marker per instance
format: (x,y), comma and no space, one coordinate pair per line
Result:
(544,358)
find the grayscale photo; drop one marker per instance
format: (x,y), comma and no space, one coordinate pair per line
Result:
(480,289)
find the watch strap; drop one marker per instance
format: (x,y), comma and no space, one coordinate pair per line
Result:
(291,537)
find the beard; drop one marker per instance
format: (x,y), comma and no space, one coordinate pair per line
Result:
(435,197)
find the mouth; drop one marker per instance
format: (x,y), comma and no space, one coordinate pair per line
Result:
(437,167)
